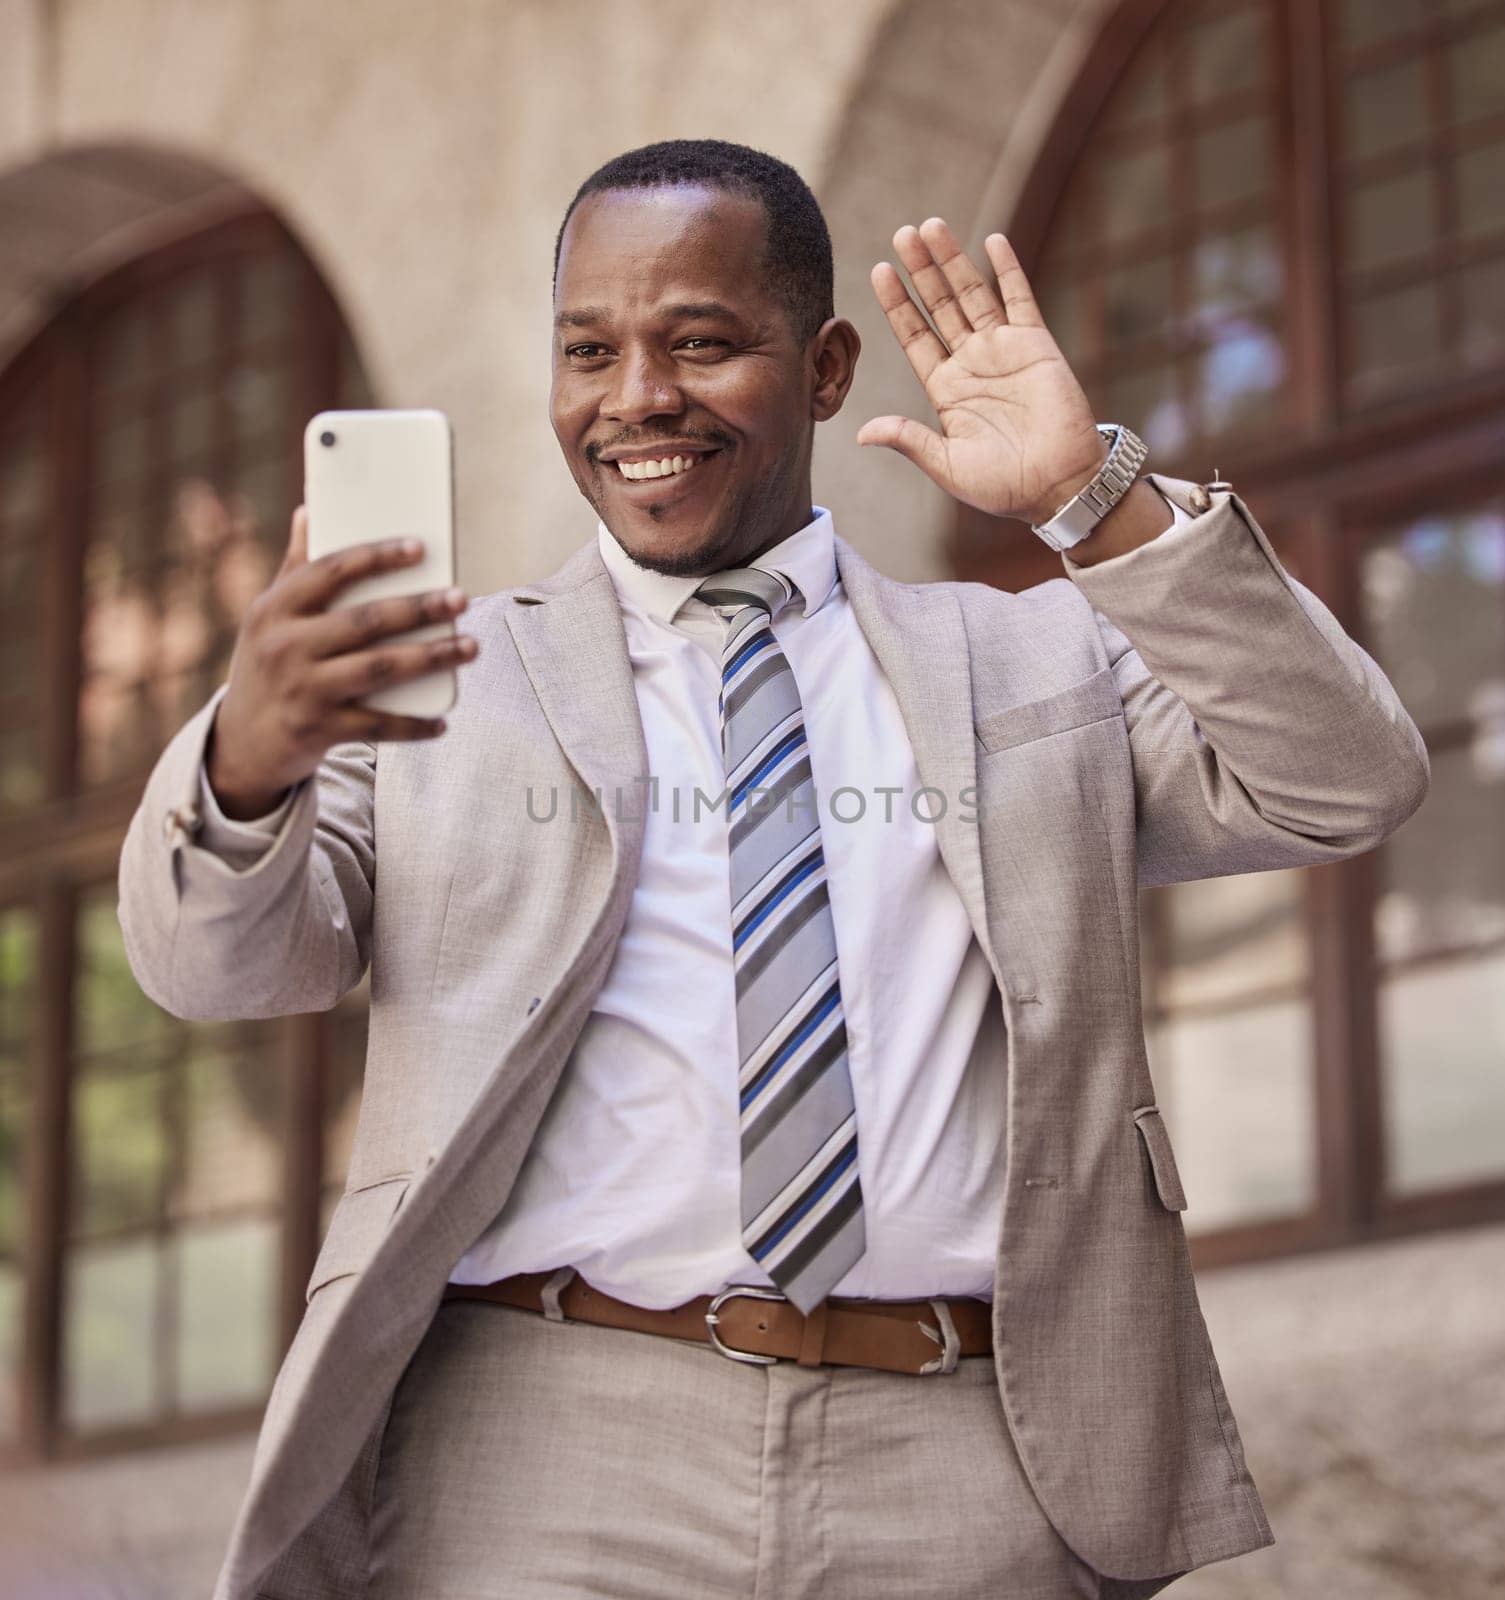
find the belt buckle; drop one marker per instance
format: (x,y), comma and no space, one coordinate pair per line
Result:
(751,1291)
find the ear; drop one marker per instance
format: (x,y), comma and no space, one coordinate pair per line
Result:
(833,355)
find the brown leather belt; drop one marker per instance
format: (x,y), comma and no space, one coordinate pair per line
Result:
(757,1324)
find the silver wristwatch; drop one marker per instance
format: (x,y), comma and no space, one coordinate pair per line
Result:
(1071,523)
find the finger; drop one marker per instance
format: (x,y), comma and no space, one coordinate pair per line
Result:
(312,586)
(914,441)
(296,554)
(916,337)
(980,305)
(372,726)
(936,294)
(344,678)
(1018,299)
(345,628)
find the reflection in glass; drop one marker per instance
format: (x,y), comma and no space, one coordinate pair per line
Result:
(225,1327)
(1232,162)
(109,1318)
(1138,300)
(1390,219)
(232,1153)
(1241,378)
(1386,109)
(1434,610)
(1443,873)
(1476,68)
(1225,939)
(1227,55)
(1234,272)
(1236,1089)
(1148,395)
(18,970)
(1480,178)
(1442,1031)
(1395,338)
(1135,192)
(119,1148)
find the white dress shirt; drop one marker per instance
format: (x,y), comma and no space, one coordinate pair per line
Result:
(633,1176)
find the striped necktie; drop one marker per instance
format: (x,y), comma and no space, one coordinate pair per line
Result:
(802,1216)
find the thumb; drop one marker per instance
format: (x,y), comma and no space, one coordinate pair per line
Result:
(913,440)
(297,543)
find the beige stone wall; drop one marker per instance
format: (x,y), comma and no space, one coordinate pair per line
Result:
(424,155)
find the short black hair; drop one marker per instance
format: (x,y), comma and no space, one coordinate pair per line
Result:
(797,261)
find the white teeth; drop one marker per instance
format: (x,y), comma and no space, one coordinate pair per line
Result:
(667,467)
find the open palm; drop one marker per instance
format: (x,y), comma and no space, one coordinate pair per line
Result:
(1017,435)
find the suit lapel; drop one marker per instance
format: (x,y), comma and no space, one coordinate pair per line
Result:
(569,635)
(917,633)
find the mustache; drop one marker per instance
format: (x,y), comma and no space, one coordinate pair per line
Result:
(706,436)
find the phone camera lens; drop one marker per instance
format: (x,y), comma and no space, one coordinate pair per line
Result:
(326,438)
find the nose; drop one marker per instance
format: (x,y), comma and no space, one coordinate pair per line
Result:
(642,386)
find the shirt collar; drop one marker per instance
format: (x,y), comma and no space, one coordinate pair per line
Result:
(807,558)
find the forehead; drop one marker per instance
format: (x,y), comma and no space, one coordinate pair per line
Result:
(632,249)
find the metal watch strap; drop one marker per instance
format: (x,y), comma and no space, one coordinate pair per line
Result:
(1071,523)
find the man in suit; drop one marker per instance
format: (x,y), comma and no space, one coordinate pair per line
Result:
(914,1309)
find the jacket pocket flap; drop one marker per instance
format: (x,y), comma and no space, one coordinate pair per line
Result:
(359,1222)
(1091,700)
(1157,1141)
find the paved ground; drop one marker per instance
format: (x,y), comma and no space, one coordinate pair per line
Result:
(1369,1385)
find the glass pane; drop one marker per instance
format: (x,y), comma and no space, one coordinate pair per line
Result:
(1139,300)
(122,446)
(260,392)
(231,1128)
(1442,1032)
(11,1312)
(1240,381)
(1394,339)
(110,1323)
(1482,292)
(1145,397)
(1476,67)
(1391,220)
(1232,162)
(119,1149)
(190,427)
(1443,872)
(18,966)
(191,313)
(112,1017)
(1226,939)
(1234,272)
(127,354)
(1141,97)
(1386,109)
(269,290)
(1481,191)
(355,392)
(1226,55)
(1365,22)
(1134,192)
(1236,1089)
(226,1313)
(1434,612)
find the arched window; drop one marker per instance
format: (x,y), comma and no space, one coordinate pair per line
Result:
(1270,235)
(162,1183)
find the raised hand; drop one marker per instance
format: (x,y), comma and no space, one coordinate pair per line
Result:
(1017,435)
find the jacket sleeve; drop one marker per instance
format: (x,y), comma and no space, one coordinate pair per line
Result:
(219,937)
(1261,735)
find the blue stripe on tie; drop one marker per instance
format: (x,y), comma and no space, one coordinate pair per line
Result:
(762,642)
(770,1069)
(791,741)
(762,913)
(848,1156)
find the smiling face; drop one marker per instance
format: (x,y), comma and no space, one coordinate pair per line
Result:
(683,396)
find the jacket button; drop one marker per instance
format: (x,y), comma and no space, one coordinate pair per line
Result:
(532,1004)
(1200,499)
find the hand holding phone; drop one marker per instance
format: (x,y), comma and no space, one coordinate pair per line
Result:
(310,663)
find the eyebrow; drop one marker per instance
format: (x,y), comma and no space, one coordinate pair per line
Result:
(592,316)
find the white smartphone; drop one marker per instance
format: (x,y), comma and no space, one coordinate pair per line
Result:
(370,476)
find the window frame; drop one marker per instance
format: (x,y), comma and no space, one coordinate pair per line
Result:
(52,853)
(1341,470)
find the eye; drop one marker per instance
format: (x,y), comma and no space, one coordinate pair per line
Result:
(702,342)
(585,352)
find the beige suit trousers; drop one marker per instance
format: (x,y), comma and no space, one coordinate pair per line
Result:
(524,1457)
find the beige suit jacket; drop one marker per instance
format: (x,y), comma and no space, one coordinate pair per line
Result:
(1186,710)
